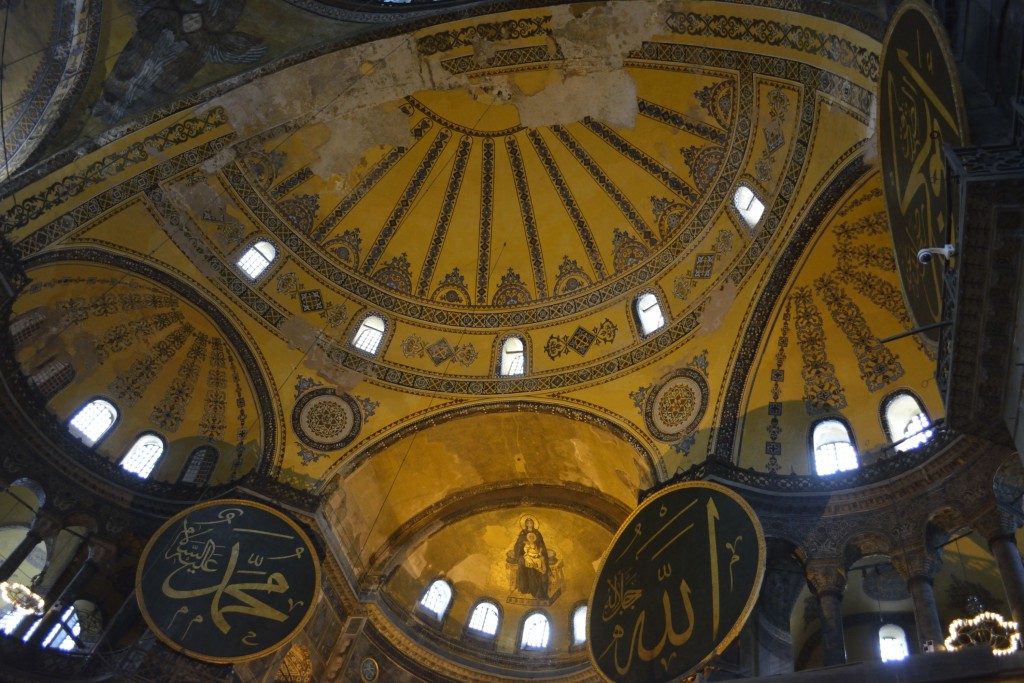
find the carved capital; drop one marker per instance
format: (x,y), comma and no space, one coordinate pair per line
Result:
(826,576)
(46,524)
(917,563)
(994,522)
(101,551)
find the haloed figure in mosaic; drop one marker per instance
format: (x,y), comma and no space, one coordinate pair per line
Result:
(531,556)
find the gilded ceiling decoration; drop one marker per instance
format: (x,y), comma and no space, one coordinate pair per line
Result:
(527,173)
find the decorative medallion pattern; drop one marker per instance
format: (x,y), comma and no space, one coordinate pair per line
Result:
(440,351)
(674,408)
(581,340)
(325,420)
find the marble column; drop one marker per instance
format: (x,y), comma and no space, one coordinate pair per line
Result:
(827,580)
(999,527)
(1011,571)
(918,568)
(44,526)
(100,553)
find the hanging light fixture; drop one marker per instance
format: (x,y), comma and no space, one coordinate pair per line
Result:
(981,628)
(987,628)
(21,597)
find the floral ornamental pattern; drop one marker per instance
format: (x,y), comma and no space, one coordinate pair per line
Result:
(773,447)
(581,340)
(877,364)
(673,408)
(822,391)
(440,351)
(325,420)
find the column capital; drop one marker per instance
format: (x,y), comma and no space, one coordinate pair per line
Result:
(994,523)
(46,524)
(917,563)
(826,576)
(102,551)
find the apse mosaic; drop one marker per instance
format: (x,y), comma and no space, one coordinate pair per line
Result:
(535,571)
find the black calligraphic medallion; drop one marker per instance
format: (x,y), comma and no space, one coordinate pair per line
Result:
(920,108)
(228,580)
(676,585)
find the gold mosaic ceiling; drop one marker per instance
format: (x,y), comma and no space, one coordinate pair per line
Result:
(528,172)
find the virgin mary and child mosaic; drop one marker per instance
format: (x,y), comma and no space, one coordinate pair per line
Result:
(534,570)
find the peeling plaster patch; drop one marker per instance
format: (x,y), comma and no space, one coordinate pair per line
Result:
(353,134)
(718,307)
(218,161)
(604,33)
(607,96)
(200,198)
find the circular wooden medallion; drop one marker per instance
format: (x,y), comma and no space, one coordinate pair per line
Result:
(676,585)
(227,581)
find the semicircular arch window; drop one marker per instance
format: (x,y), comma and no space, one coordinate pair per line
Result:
(906,422)
(579,625)
(833,448)
(370,334)
(485,618)
(257,258)
(747,203)
(93,420)
(143,456)
(536,631)
(437,598)
(892,643)
(513,357)
(648,312)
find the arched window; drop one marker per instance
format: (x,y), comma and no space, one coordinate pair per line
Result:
(199,466)
(579,625)
(257,258)
(513,357)
(485,618)
(52,376)
(143,456)
(833,448)
(747,203)
(648,312)
(370,334)
(93,421)
(437,598)
(27,325)
(536,630)
(10,619)
(64,634)
(906,422)
(892,643)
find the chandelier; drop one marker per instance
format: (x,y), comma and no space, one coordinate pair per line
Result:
(22,597)
(987,628)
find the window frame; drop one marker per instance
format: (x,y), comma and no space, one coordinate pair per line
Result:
(194,455)
(500,355)
(482,636)
(435,617)
(638,316)
(574,642)
(813,450)
(159,457)
(78,434)
(253,245)
(358,327)
(521,632)
(906,643)
(34,319)
(883,415)
(57,381)
(756,195)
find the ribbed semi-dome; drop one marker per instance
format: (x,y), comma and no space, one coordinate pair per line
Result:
(143,341)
